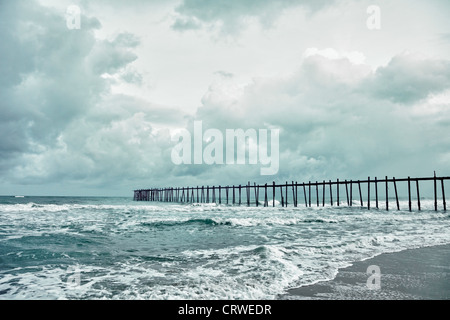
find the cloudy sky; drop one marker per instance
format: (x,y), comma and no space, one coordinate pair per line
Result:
(91,111)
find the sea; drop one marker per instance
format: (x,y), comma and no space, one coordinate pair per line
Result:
(117,248)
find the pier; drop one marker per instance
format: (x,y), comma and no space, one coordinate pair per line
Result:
(299,194)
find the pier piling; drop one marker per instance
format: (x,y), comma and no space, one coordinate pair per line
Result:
(213,193)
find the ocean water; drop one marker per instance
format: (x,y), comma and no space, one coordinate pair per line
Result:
(115,248)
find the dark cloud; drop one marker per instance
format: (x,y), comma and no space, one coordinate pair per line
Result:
(60,121)
(408,78)
(340,119)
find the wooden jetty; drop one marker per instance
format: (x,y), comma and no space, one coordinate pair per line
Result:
(288,193)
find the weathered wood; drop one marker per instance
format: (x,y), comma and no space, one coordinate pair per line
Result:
(435,192)
(387,194)
(360,194)
(286,200)
(331,194)
(337,191)
(309,188)
(418,194)
(226,193)
(323,193)
(346,192)
(304,191)
(351,193)
(240,194)
(256,194)
(234,195)
(396,194)
(273,194)
(248,194)
(409,193)
(266,199)
(294,196)
(188,194)
(376,192)
(317,193)
(443,195)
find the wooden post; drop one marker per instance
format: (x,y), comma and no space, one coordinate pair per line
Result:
(443,195)
(309,188)
(360,194)
(304,191)
(396,194)
(286,194)
(368,193)
(409,193)
(226,192)
(323,194)
(248,194)
(220,195)
(207,194)
(273,194)
(376,192)
(331,194)
(213,194)
(256,194)
(266,200)
(418,193)
(435,193)
(387,195)
(317,193)
(351,193)
(234,196)
(346,192)
(281,194)
(294,196)
(240,194)
(337,189)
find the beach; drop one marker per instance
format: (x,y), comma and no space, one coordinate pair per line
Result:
(414,274)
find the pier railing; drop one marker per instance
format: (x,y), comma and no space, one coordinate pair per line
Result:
(293,193)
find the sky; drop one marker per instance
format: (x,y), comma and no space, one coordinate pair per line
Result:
(92,110)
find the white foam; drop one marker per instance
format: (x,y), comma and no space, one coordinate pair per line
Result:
(288,247)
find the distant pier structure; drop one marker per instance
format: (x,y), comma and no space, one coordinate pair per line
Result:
(371,193)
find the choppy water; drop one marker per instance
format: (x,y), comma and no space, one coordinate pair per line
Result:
(114,248)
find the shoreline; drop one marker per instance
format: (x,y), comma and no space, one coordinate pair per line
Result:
(412,274)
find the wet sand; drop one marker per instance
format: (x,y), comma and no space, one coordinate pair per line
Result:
(421,274)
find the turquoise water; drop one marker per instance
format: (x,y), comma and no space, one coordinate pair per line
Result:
(115,248)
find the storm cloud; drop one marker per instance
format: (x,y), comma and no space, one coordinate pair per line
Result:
(81,111)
